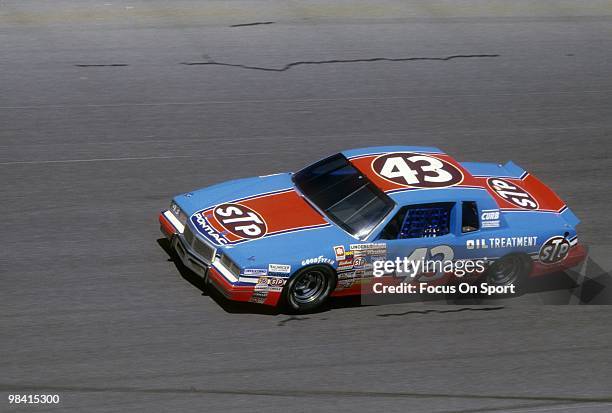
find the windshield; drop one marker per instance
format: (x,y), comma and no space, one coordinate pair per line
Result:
(344,194)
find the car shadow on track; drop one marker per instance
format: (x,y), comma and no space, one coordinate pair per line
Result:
(552,289)
(244,307)
(198,282)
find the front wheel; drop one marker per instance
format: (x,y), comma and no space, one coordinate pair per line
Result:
(309,288)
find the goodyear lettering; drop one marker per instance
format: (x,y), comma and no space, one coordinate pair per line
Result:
(318,260)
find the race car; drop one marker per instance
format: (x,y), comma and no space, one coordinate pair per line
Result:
(296,239)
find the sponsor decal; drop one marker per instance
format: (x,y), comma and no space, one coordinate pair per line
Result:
(261,215)
(359,262)
(416,170)
(270,284)
(276,281)
(503,242)
(346,262)
(375,251)
(490,218)
(512,193)
(554,250)
(346,275)
(318,260)
(339,252)
(259,297)
(361,256)
(255,271)
(368,247)
(203,226)
(346,283)
(279,268)
(346,267)
(240,220)
(262,284)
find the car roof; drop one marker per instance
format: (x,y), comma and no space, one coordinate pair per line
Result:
(379,150)
(410,195)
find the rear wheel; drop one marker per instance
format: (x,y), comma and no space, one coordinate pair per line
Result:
(512,269)
(309,288)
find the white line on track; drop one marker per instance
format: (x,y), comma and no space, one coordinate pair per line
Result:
(135,158)
(338,99)
(198,139)
(143,158)
(557,408)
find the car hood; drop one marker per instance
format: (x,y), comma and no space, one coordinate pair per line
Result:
(261,220)
(194,201)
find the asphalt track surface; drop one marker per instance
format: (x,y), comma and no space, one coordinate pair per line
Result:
(107,109)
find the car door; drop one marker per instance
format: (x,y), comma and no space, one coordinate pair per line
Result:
(476,225)
(421,238)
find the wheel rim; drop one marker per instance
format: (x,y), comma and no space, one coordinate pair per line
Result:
(506,271)
(309,287)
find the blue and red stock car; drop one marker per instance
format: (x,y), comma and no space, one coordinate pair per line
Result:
(298,238)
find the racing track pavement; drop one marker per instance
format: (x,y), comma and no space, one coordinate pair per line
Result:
(101,122)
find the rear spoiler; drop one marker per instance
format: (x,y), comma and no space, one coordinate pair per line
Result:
(509,170)
(513,170)
(546,198)
(569,217)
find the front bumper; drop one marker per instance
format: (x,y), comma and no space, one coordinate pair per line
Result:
(213,273)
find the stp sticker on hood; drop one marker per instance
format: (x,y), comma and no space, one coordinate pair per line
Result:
(257,217)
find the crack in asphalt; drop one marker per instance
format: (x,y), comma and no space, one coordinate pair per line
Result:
(251,24)
(288,66)
(459,310)
(102,65)
(379,362)
(297,393)
(283,322)
(518,408)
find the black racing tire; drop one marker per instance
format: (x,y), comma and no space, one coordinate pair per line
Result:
(309,288)
(512,269)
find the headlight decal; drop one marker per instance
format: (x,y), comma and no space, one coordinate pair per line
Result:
(174,221)
(178,213)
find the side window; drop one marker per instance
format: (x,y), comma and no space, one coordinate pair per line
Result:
(420,221)
(469,217)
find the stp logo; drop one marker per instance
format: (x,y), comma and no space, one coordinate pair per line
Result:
(555,249)
(359,262)
(512,193)
(241,220)
(276,282)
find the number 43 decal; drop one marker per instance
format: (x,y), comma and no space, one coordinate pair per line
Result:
(417,170)
(419,259)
